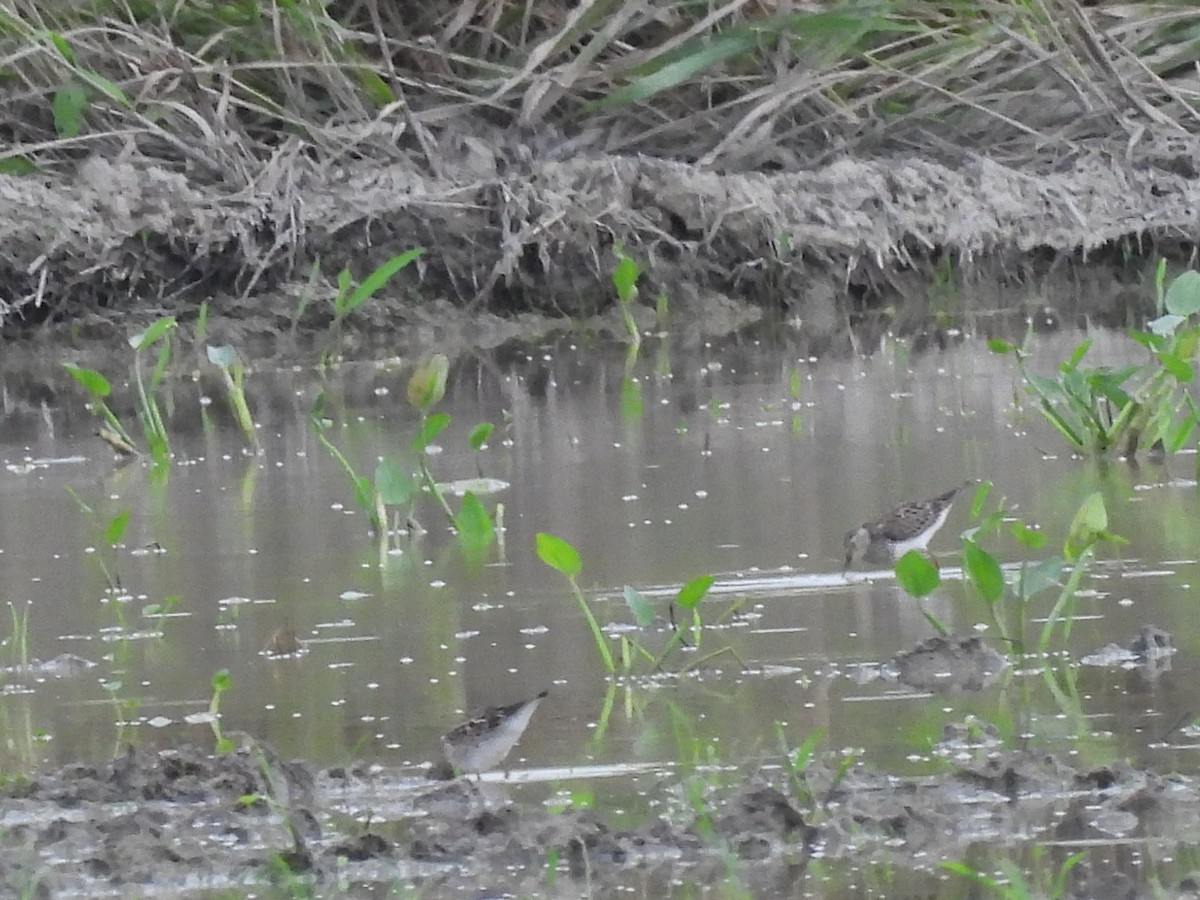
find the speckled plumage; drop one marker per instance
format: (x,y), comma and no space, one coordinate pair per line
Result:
(482,742)
(907,527)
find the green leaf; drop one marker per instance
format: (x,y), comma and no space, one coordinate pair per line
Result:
(430,429)
(379,278)
(224,355)
(115,529)
(109,89)
(625,276)
(802,755)
(1181,370)
(68,106)
(632,406)
(1033,538)
(984,571)
(693,592)
(473,523)
(675,73)
(479,434)
(996,345)
(157,329)
(1088,525)
(221,681)
(1147,340)
(558,555)
(61,45)
(17,165)
(1077,355)
(427,385)
(917,573)
(1183,295)
(394,484)
(639,604)
(93,382)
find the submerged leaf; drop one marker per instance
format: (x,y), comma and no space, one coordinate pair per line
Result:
(639,604)
(394,484)
(473,523)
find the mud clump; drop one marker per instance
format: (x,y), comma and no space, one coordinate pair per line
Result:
(184,820)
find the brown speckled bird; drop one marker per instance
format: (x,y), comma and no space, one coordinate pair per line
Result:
(482,742)
(910,526)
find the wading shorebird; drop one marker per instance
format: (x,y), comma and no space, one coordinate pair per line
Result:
(910,526)
(482,742)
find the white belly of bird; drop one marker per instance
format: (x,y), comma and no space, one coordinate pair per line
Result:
(920,541)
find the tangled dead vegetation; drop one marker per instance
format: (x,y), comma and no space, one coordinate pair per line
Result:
(775,153)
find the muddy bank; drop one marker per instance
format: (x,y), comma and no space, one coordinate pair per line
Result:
(181,821)
(506,232)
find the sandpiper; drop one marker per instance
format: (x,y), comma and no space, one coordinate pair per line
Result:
(910,526)
(482,742)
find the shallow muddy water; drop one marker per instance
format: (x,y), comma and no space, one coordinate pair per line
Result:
(735,459)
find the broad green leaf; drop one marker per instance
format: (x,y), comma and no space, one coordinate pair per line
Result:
(1183,294)
(473,523)
(430,429)
(558,555)
(157,329)
(996,345)
(983,571)
(639,604)
(479,434)
(115,529)
(427,385)
(379,278)
(17,165)
(93,382)
(917,573)
(68,106)
(394,484)
(1033,538)
(693,592)
(1165,325)
(224,355)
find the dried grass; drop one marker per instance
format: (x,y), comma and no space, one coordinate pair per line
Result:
(259,101)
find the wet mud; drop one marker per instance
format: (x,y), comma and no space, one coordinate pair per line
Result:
(183,820)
